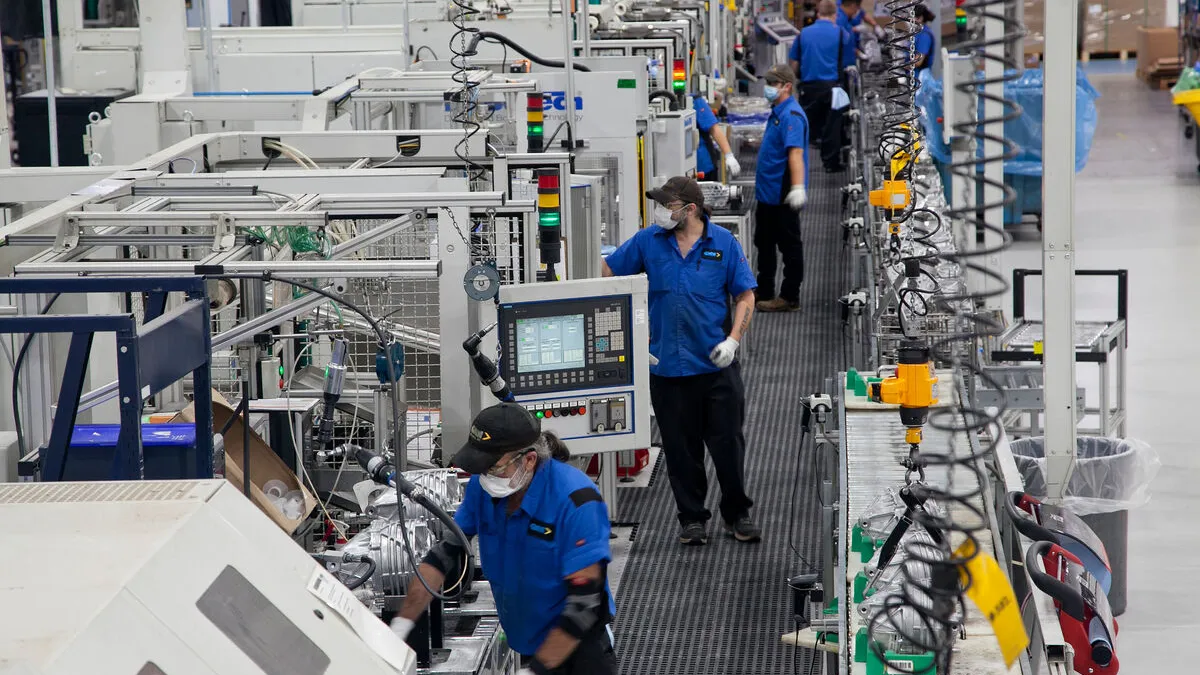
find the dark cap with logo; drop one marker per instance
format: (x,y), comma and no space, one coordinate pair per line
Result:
(495,431)
(682,188)
(780,74)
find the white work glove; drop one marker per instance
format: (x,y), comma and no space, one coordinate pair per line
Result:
(797,197)
(880,32)
(732,167)
(402,627)
(524,671)
(722,355)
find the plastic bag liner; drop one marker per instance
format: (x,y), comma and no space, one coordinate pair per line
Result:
(1111,474)
(1025,130)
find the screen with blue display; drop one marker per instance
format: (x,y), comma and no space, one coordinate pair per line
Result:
(550,343)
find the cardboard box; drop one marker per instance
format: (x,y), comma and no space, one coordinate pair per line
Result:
(1104,25)
(265,465)
(1154,44)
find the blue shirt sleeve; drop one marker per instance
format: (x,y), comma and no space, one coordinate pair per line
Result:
(705,118)
(467,515)
(796,134)
(794,52)
(924,45)
(740,277)
(628,258)
(849,56)
(584,534)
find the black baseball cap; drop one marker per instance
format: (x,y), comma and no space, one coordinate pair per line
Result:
(497,430)
(683,188)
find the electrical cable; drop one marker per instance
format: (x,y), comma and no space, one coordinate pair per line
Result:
(933,601)
(555,134)
(397,429)
(465,107)
(417,55)
(480,35)
(16,379)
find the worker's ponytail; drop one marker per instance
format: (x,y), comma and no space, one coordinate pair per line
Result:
(558,449)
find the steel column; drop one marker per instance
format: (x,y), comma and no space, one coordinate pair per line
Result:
(1058,243)
(993,172)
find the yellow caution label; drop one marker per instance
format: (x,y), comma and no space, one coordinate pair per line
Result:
(993,594)
(1037,347)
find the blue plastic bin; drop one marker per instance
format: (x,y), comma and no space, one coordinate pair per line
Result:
(168,451)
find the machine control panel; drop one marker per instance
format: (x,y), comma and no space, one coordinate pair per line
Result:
(564,346)
(590,416)
(576,355)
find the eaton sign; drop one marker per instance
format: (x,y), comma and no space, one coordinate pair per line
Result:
(557,100)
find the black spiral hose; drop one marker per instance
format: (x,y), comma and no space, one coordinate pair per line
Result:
(961,520)
(462,49)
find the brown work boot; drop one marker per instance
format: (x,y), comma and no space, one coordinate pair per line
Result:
(776,305)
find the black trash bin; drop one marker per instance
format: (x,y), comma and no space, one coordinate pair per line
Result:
(1111,475)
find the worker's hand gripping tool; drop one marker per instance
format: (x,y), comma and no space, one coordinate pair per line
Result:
(1046,522)
(914,388)
(1083,612)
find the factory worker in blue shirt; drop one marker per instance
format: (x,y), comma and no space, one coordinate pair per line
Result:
(694,267)
(819,54)
(925,39)
(850,16)
(780,192)
(713,142)
(543,543)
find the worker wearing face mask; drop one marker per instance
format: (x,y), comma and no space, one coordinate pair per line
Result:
(543,543)
(713,143)
(694,267)
(779,190)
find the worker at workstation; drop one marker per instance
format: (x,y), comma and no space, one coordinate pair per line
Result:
(543,543)
(780,192)
(818,55)
(924,40)
(713,142)
(694,267)
(850,15)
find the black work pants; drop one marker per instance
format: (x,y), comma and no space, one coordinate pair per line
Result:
(777,226)
(824,125)
(593,656)
(697,411)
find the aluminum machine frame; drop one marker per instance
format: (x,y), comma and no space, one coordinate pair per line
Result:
(216,210)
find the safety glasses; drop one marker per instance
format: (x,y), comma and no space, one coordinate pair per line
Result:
(499,469)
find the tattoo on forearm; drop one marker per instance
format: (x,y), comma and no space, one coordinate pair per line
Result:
(746,320)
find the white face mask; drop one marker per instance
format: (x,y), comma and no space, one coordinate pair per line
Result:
(665,218)
(500,488)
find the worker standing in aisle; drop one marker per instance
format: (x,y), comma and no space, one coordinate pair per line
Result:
(713,143)
(818,55)
(694,267)
(543,543)
(780,192)
(924,40)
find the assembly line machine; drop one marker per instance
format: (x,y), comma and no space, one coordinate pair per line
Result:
(316,250)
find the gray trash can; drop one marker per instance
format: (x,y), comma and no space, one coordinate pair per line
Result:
(1111,476)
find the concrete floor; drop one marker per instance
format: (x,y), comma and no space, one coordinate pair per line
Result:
(1137,205)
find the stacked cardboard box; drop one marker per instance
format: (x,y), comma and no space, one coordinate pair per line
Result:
(1158,60)
(1104,25)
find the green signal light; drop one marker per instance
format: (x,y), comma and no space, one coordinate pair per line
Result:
(679,86)
(535,130)
(540,414)
(548,219)
(961,20)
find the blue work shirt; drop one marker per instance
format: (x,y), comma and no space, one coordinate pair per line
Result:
(849,23)
(706,119)
(689,293)
(560,528)
(787,128)
(817,48)
(924,45)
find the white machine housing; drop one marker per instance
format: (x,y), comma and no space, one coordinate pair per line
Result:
(177,577)
(602,402)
